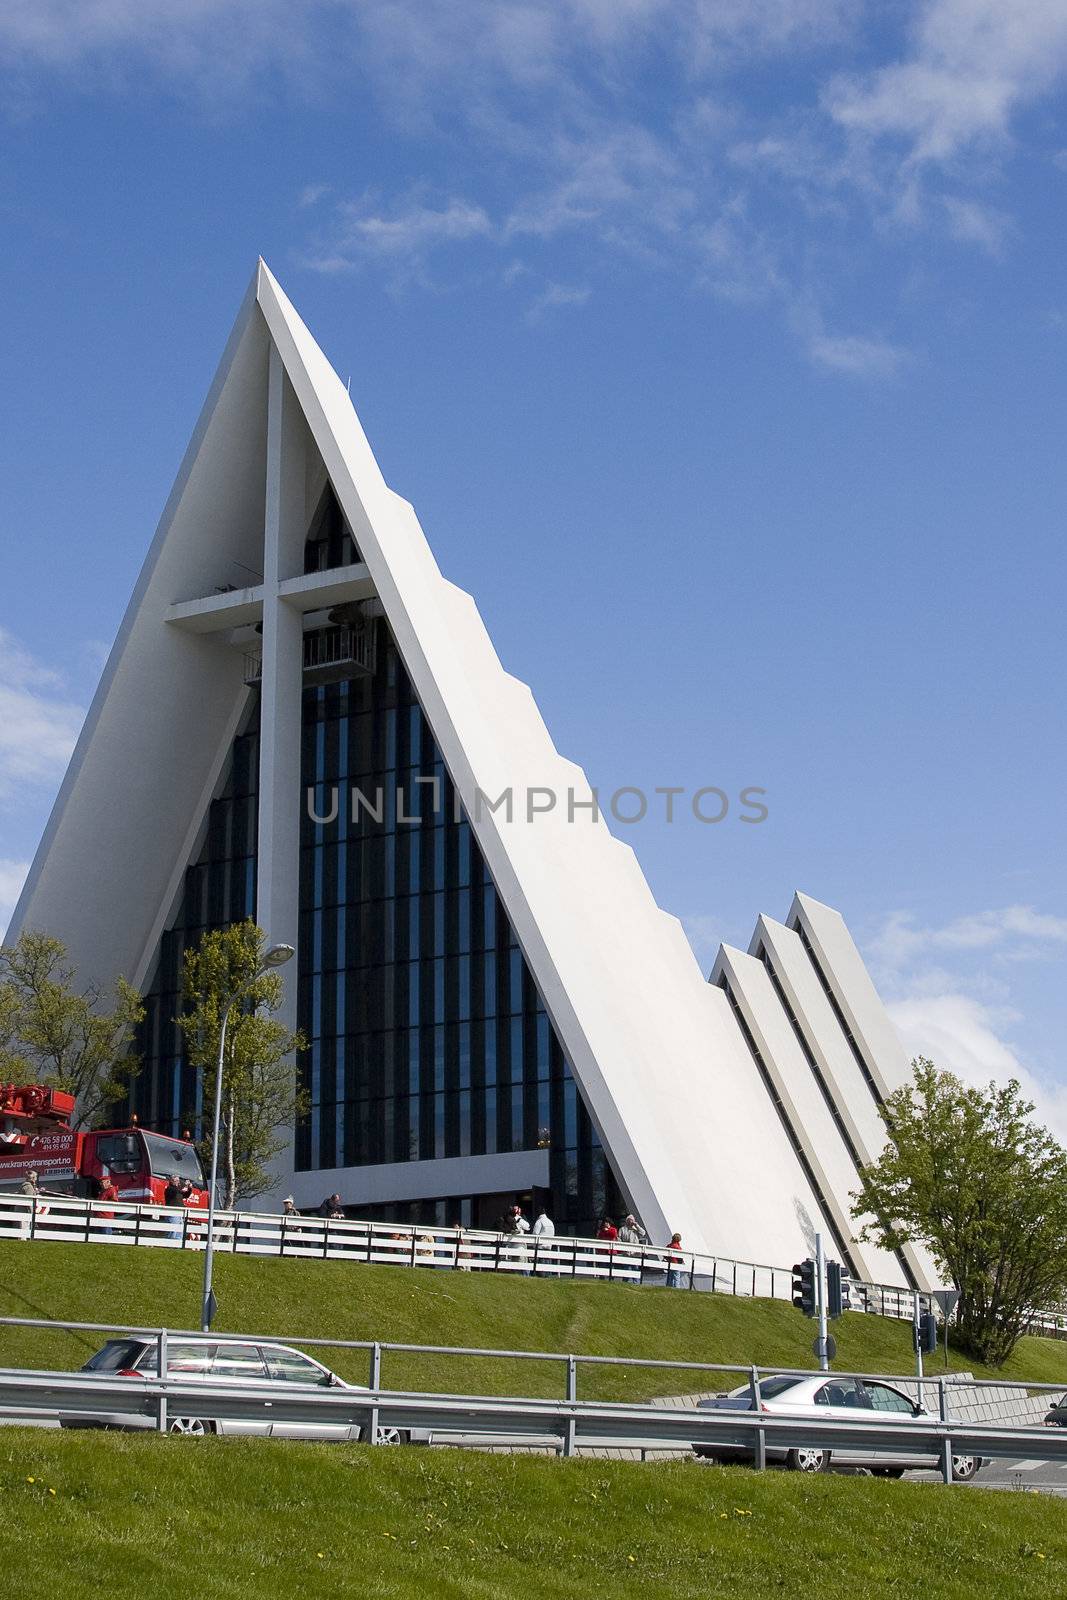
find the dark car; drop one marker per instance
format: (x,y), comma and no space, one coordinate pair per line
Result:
(1056,1415)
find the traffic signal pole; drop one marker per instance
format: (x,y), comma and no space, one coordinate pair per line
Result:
(820,1297)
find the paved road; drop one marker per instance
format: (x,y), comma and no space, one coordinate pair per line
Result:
(1047,1477)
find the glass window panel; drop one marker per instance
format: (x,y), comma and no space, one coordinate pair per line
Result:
(490,1052)
(544,1044)
(490,1121)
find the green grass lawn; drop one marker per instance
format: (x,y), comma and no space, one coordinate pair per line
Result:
(263,1520)
(293,1298)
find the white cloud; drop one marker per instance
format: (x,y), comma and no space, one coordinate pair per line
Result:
(945,989)
(855,354)
(401,239)
(974,63)
(974,223)
(1010,931)
(12,877)
(38,723)
(554,295)
(754,199)
(966,1037)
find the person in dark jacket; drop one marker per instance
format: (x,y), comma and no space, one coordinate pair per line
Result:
(173,1195)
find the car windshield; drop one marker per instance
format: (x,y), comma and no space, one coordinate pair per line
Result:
(118,1355)
(170,1157)
(769,1388)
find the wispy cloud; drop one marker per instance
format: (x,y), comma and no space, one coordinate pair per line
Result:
(855,354)
(974,223)
(1008,932)
(972,65)
(973,1039)
(947,988)
(403,236)
(576,169)
(39,723)
(555,295)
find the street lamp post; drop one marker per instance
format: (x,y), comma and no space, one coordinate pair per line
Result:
(276,956)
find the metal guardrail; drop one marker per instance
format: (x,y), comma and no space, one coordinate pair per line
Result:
(955,1393)
(259,1233)
(574,1423)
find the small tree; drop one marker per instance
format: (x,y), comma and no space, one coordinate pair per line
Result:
(259,1087)
(53,1032)
(969,1174)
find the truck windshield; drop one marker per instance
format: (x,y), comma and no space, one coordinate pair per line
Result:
(170,1157)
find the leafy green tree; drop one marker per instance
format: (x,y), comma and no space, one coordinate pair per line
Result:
(260,1096)
(54,1032)
(968,1173)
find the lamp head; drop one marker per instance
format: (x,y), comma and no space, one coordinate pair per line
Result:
(278,955)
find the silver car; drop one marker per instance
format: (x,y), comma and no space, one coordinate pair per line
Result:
(234,1362)
(844,1399)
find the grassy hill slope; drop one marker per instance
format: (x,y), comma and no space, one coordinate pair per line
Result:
(293,1298)
(240,1519)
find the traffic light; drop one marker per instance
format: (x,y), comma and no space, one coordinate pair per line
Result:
(926,1334)
(838,1289)
(805,1295)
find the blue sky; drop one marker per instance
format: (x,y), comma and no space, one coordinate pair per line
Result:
(721,347)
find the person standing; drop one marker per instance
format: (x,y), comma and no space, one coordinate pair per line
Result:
(173,1195)
(520,1227)
(607,1230)
(29,1184)
(675,1275)
(544,1227)
(108,1192)
(632,1232)
(289,1207)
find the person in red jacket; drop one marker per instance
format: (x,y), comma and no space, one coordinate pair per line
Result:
(607,1230)
(108,1192)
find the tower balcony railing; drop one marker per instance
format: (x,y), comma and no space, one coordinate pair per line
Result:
(330,654)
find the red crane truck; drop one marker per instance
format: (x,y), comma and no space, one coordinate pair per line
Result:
(36,1135)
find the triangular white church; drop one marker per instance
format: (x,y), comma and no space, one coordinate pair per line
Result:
(497,1007)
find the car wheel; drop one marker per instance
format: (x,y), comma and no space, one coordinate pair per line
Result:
(195,1427)
(392,1436)
(808,1460)
(964,1468)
